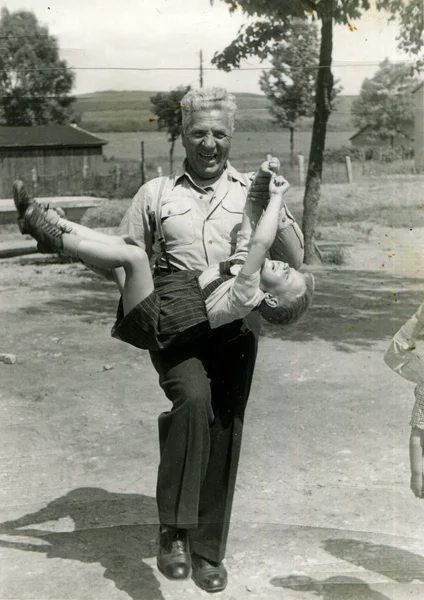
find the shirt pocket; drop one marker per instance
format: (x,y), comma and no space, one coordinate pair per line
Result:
(232,214)
(177,222)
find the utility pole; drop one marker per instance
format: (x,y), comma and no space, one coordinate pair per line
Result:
(201,68)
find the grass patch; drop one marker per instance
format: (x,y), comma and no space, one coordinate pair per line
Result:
(109,214)
(397,201)
(336,256)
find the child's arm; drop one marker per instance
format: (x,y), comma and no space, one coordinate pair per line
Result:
(401,356)
(416,460)
(264,234)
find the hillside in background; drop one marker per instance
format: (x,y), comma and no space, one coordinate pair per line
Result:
(132,111)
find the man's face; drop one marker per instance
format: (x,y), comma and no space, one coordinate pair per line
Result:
(207,141)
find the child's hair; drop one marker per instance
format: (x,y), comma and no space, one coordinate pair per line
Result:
(289,310)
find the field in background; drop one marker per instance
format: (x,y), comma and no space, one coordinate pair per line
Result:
(132,111)
(247,146)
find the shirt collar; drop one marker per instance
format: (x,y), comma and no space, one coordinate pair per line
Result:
(230,170)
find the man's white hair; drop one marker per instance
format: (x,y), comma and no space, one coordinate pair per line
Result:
(214,98)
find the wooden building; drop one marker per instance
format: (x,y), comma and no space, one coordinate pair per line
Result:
(45,152)
(419,127)
(364,139)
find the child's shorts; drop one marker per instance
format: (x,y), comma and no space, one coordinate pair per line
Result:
(173,313)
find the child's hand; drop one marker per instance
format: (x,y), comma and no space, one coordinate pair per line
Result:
(278,185)
(259,190)
(417,485)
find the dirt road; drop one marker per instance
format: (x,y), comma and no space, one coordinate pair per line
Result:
(322,507)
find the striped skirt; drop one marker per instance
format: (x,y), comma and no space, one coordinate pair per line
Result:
(173,313)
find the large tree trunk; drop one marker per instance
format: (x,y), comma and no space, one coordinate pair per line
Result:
(171,157)
(322,112)
(291,129)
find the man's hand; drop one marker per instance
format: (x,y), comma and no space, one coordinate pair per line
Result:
(259,190)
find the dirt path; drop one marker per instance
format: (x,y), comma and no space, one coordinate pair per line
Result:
(322,508)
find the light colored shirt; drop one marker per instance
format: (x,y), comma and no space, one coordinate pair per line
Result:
(401,355)
(235,298)
(404,360)
(200,228)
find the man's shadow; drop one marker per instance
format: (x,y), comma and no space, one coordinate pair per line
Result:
(332,588)
(116,530)
(394,563)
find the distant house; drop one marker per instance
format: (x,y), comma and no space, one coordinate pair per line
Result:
(418,94)
(48,151)
(364,139)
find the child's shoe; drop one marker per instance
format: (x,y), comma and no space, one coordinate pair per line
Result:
(42,224)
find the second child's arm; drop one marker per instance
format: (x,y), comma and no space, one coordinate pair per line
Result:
(264,234)
(416,460)
(401,355)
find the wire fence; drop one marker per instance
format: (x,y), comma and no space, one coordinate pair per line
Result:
(123,181)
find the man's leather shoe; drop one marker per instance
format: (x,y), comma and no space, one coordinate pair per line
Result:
(207,575)
(174,555)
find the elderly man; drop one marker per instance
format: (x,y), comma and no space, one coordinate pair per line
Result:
(189,221)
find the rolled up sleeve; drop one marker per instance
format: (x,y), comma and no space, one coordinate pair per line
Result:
(401,356)
(288,244)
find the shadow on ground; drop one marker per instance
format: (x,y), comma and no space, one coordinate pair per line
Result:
(354,309)
(394,563)
(97,538)
(332,588)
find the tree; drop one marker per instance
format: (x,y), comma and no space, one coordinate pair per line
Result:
(273,21)
(290,84)
(34,82)
(167,107)
(385,102)
(411,37)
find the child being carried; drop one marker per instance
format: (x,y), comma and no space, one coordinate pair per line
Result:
(178,307)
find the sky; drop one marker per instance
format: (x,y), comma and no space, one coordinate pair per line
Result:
(110,42)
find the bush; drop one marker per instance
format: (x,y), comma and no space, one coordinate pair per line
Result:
(378,153)
(108,214)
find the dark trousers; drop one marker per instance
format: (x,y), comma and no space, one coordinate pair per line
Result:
(208,383)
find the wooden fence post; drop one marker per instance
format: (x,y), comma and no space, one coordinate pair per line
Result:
(159,171)
(85,168)
(117,176)
(34,179)
(301,166)
(348,169)
(143,166)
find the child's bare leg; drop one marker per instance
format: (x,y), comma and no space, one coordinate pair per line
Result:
(90,234)
(416,441)
(134,261)
(118,275)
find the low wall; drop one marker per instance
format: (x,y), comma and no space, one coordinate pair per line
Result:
(75,207)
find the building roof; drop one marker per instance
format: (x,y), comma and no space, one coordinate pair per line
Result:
(352,137)
(52,136)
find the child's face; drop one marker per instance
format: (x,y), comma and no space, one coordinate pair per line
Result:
(278,278)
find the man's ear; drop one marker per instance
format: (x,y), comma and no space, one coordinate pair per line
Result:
(271,300)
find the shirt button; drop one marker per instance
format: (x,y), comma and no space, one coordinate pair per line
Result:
(284,219)
(201,197)
(210,242)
